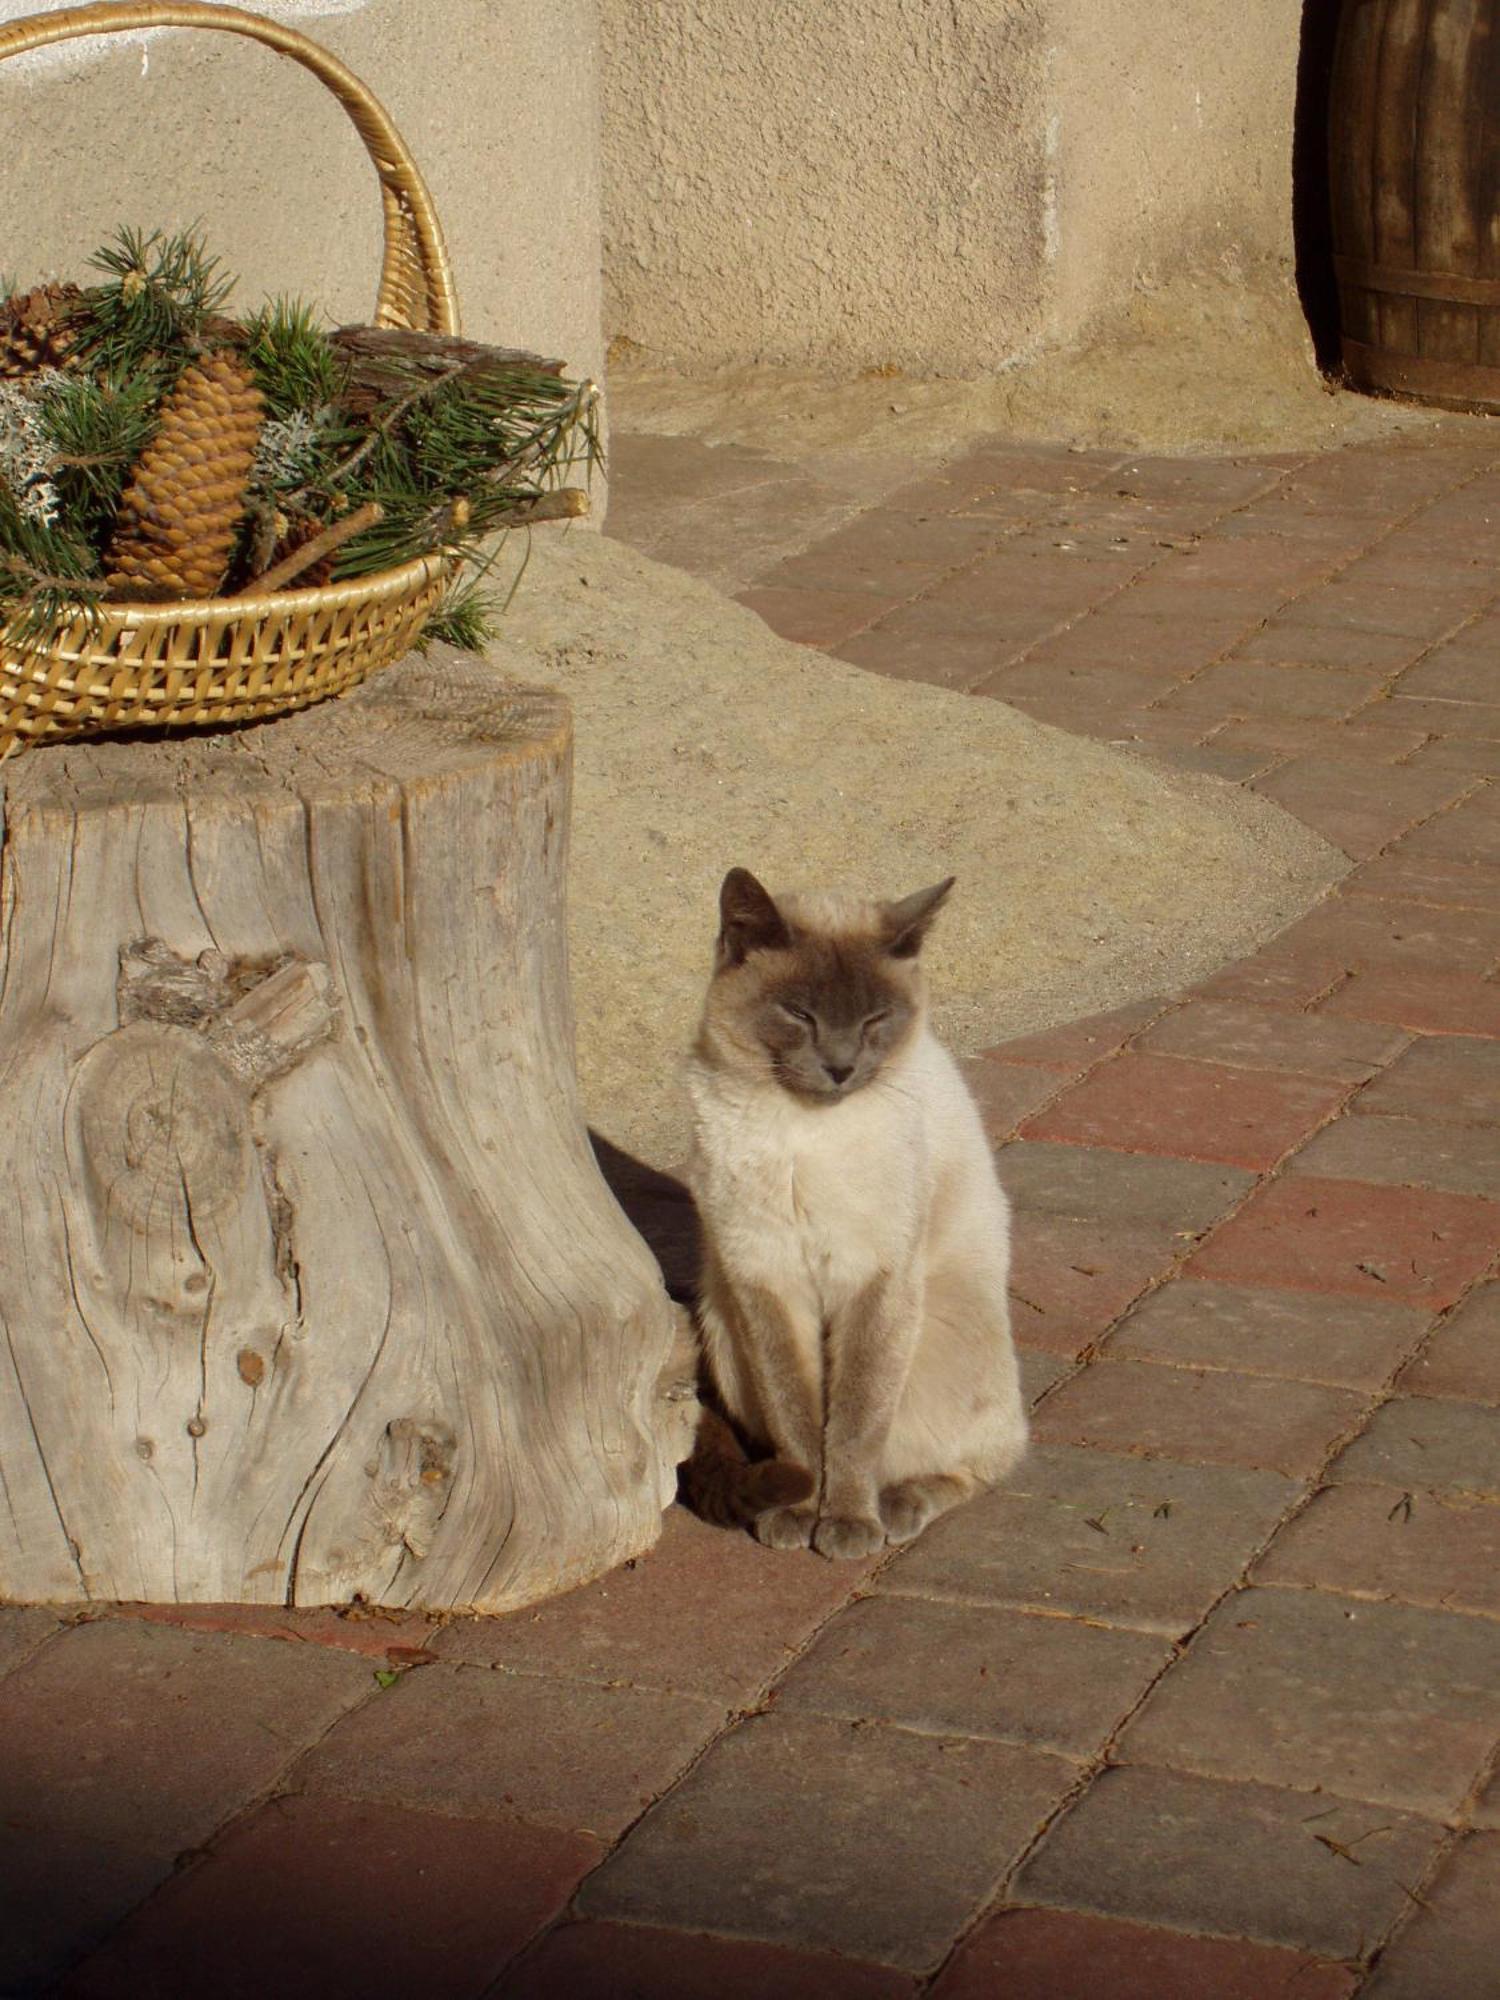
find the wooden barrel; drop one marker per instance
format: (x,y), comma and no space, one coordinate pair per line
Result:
(1414,155)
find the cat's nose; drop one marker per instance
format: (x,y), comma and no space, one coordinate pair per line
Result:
(839,1072)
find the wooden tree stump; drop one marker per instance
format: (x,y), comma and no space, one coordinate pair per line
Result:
(310,1289)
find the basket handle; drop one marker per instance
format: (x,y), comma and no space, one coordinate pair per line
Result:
(416,285)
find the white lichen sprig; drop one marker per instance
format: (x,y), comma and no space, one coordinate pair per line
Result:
(27,451)
(288,448)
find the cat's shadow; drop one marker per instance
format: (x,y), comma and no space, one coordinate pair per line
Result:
(659,1208)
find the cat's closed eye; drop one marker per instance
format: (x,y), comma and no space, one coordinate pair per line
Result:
(796,1013)
(873,1021)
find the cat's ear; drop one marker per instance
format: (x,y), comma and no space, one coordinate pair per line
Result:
(904,925)
(748,919)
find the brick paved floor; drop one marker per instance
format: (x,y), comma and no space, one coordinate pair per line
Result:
(1206,1703)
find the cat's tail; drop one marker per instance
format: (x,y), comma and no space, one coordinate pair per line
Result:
(725,1488)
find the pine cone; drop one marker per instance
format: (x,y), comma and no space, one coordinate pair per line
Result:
(34,330)
(178,515)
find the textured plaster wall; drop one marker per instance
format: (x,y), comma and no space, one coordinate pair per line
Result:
(498,104)
(942,185)
(1174,146)
(851,183)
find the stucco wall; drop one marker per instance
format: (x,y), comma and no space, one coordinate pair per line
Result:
(497,103)
(940,185)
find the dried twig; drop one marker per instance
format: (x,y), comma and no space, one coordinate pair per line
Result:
(316,546)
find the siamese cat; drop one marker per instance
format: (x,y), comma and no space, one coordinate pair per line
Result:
(856,1240)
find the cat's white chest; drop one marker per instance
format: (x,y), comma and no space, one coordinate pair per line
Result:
(815,1200)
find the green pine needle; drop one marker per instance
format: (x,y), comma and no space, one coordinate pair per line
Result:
(159,290)
(466,618)
(297,367)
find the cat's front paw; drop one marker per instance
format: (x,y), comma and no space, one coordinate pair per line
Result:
(786,1527)
(848,1535)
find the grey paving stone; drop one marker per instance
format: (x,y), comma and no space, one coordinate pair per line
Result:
(976,1670)
(1487,1811)
(1142,1544)
(708,1611)
(484,1743)
(1440,1076)
(1239,1860)
(130,1733)
(867,1840)
(1405,1152)
(1462,1359)
(1348,1343)
(60,1894)
(1387,1702)
(1421,1442)
(23,1627)
(1094,1181)
(1451,1948)
(1439,1549)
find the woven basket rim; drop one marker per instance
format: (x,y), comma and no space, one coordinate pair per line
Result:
(118,615)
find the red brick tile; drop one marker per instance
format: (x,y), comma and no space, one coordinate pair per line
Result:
(1468,720)
(1253,1036)
(1392,1703)
(1277,976)
(488,1744)
(1061,1684)
(1433,1003)
(816,617)
(1087,700)
(1159,643)
(1462,1359)
(737,1850)
(598,1961)
(1459,671)
(1359,809)
(1353,741)
(1478,759)
(707,1612)
(943,659)
(1234,766)
(1147,1544)
(1071,1277)
(1005,1092)
(1079,1045)
(1192,1110)
(1367,930)
(1350,1236)
(1201,1855)
(889,541)
(1451,1946)
(346,1628)
(1467,832)
(1060,1955)
(1199,1416)
(305,1896)
(1385,1543)
(1420,608)
(1452,884)
(1250,687)
(1287,638)
(1305,1336)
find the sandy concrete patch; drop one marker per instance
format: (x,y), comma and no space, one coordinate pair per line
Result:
(1189,366)
(1087,876)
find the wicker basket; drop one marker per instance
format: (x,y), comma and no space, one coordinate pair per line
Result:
(241,659)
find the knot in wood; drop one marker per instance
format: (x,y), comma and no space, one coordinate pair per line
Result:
(165,1132)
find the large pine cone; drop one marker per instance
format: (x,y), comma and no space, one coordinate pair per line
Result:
(178,515)
(34,330)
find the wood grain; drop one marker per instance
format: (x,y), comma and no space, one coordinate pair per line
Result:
(311,1287)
